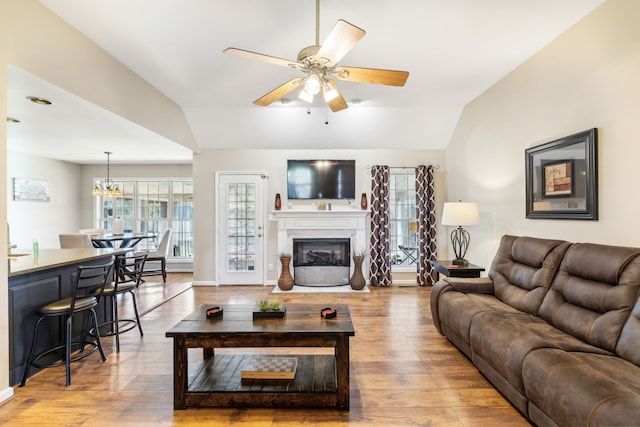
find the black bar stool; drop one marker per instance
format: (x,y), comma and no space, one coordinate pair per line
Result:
(85,297)
(127,279)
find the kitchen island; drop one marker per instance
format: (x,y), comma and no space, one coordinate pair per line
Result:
(37,281)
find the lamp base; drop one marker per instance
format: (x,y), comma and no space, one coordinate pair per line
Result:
(460,262)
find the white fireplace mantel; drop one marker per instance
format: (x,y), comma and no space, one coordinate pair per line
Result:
(348,223)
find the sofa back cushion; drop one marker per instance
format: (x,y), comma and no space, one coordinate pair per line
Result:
(594,293)
(523,270)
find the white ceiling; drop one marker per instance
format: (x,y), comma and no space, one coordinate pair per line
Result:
(453,49)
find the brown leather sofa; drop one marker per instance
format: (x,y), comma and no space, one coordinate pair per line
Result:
(555,327)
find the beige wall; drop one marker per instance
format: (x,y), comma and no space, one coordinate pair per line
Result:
(586,78)
(274,164)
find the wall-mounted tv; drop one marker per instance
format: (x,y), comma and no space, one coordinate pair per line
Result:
(321,179)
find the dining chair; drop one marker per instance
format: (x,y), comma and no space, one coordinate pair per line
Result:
(158,258)
(87,291)
(127,278)
(75,241)
(91,231)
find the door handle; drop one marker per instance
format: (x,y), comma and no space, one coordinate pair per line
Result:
(259,227)
(259,234)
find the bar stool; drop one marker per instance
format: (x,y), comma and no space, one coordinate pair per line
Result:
(127,279)
(85,297)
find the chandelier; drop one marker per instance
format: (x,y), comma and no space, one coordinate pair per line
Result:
(109,188)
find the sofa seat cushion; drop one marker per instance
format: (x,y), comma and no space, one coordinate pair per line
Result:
(458,309)
(503,340)
(583,389)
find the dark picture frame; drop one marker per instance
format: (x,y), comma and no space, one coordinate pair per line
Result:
(562,178)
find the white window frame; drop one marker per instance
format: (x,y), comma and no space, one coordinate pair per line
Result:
(182,235)
(402,219)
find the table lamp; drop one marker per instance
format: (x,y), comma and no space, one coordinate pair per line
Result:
(460,213)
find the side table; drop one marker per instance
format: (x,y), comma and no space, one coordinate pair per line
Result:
(447,268)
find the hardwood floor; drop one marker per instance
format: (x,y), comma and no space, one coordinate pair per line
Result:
(403,372)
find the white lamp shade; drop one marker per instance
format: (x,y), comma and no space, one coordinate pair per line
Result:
(460,213)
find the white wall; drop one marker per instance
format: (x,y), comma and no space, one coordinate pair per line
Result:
(44,220)
(587,77)
(274,163)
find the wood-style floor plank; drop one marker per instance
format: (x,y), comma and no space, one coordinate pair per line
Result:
(403,372)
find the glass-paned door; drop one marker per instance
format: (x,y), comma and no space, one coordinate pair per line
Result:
(241,229)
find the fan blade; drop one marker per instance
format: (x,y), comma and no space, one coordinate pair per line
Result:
(338,103)
(279,92)
(372,75)
(341,40)
(261,57)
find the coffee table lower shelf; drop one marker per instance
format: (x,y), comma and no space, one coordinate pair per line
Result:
(216,382)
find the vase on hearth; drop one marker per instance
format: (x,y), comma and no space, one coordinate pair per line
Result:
(285,282)
(357,281)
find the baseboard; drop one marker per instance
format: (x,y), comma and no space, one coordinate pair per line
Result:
(404,282)
(205,283)
(6,394)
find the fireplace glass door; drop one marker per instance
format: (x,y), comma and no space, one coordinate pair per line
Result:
(321,261)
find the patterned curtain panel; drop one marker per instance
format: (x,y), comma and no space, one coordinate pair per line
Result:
(380,266)
(426,207)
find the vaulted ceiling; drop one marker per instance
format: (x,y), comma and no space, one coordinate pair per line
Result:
(453,49)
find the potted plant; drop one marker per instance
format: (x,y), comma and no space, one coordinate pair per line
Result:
(285,282)
(269,309)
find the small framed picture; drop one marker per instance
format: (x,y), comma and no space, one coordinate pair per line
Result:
(557,179)
(30,190)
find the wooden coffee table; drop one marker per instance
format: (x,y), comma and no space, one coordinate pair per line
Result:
(320,380)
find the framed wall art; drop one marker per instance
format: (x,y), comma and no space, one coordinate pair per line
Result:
(30,190)
(562,178)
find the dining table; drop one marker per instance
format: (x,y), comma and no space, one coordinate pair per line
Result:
(127,240)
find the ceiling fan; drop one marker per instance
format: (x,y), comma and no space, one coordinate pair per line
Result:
(319,63)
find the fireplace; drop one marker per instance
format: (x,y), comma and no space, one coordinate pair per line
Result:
(321,261)
(348,224)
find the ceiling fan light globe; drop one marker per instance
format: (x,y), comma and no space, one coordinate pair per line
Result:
(312,85)
(305,96)
(329,93)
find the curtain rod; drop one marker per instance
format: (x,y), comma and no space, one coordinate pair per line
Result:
(405,167)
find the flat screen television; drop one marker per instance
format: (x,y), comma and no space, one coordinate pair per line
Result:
(321,179)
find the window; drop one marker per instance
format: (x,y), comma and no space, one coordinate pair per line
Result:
(152,206)
(402,221)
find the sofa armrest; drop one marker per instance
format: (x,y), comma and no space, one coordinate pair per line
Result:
(479,285)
